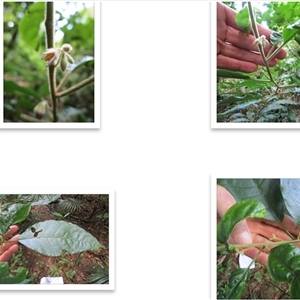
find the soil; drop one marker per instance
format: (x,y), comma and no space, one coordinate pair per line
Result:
(260,284)
(92,216)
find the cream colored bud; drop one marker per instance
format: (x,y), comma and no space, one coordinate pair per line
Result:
(66,47)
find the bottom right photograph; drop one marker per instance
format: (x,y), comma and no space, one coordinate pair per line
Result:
(258,238)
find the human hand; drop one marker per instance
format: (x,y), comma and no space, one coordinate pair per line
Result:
(235,48)
(255,230)
(11,246)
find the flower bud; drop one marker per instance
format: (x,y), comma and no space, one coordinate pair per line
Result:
(66,47)
(41,108)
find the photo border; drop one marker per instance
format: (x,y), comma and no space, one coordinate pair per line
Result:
(72,287)
(97,87)
(213,207)
(220,125)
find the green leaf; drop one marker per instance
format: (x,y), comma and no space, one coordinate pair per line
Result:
(237,283)
(266,191)
(12,214)
(231,74)
(29,25)
(236,213)
(290,189)
(275,38)
(56,237)
(7,278)
(11,87)
(284,265)
(84,61)
(56,214)
(243,21)
(291,31)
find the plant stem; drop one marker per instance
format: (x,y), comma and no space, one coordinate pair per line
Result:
(256,34)
(223,247)
(76,87)
(49,24)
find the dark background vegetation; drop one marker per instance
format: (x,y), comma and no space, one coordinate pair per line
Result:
(25,75)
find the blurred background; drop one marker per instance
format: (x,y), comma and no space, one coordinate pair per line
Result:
(25,75)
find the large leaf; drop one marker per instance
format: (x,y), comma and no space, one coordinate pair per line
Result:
(52,238)
(290,189)
(236,213)
(12,214)
(243,21)
(6,278)
(265,190)
(29,25)
(284,265)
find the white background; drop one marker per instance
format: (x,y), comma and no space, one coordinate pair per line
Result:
(155,149)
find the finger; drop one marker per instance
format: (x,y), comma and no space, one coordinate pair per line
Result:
(287,223)
(13,241)
(232,64)
(262,257)
(9,253)
(243,55)
(266,232)
(245,41)
(13,229)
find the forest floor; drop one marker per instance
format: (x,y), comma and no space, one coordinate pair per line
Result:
(74,268)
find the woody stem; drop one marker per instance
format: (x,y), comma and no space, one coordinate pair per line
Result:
(49,24)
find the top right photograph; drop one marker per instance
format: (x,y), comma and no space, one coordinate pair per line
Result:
(258,63)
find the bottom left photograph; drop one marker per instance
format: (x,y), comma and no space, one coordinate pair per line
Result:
(59,239)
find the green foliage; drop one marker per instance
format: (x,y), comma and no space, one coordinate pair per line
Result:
(265,96)
(99,274)
(284,259)
(70,205)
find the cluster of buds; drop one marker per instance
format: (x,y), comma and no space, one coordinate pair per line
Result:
(56,56)
(261,41)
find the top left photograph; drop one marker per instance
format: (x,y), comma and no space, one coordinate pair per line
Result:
(51,65)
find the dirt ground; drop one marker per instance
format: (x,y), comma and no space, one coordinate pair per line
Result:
(260,284)
(92,216)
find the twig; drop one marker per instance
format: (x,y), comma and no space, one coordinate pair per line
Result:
(76,87)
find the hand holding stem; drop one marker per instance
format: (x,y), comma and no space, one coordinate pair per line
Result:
(254,234)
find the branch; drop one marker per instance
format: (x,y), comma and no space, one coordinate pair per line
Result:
(76,87)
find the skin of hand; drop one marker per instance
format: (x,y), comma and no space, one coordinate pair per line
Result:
(235,48)
(9,248)
(255,230)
